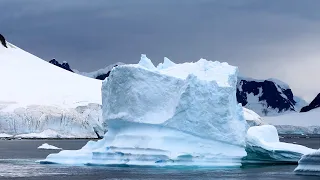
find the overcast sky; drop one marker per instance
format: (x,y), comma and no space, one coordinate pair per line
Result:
(264,38)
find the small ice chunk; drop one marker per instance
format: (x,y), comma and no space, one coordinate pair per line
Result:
(49,147)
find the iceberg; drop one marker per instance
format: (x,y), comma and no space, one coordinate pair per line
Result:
(48,147)
(309,164)
(252,118)
(174,115)
(263,146)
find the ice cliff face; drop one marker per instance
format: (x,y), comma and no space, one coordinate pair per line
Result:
(198,98)
(36,121)
(179,114)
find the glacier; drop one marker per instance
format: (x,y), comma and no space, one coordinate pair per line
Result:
(180,114)
(296,123)
(40,100)
(309,164)
(53,122)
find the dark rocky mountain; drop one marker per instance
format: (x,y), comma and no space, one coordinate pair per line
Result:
(313,105)
(63,65)
(3,41)
(267,97)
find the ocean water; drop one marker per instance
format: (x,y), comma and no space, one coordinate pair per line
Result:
(17,161)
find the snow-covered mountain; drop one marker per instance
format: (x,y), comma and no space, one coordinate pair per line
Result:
(315,103)
(36,97)
(267,97)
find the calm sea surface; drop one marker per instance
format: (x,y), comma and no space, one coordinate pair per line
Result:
(17,161)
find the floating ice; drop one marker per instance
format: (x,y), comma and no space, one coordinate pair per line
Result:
(263,145)
(4,135)
(186,114)
(309,164)
(48,147)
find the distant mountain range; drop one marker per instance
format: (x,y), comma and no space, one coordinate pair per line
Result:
(63,65)
(100,74)
(266,97)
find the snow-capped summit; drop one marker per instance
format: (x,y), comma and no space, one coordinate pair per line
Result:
(65,65)
(315,103)
(267,97)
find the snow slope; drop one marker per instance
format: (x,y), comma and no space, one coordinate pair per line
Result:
(36,96)
(28,80)
(296,123)
(184,114)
